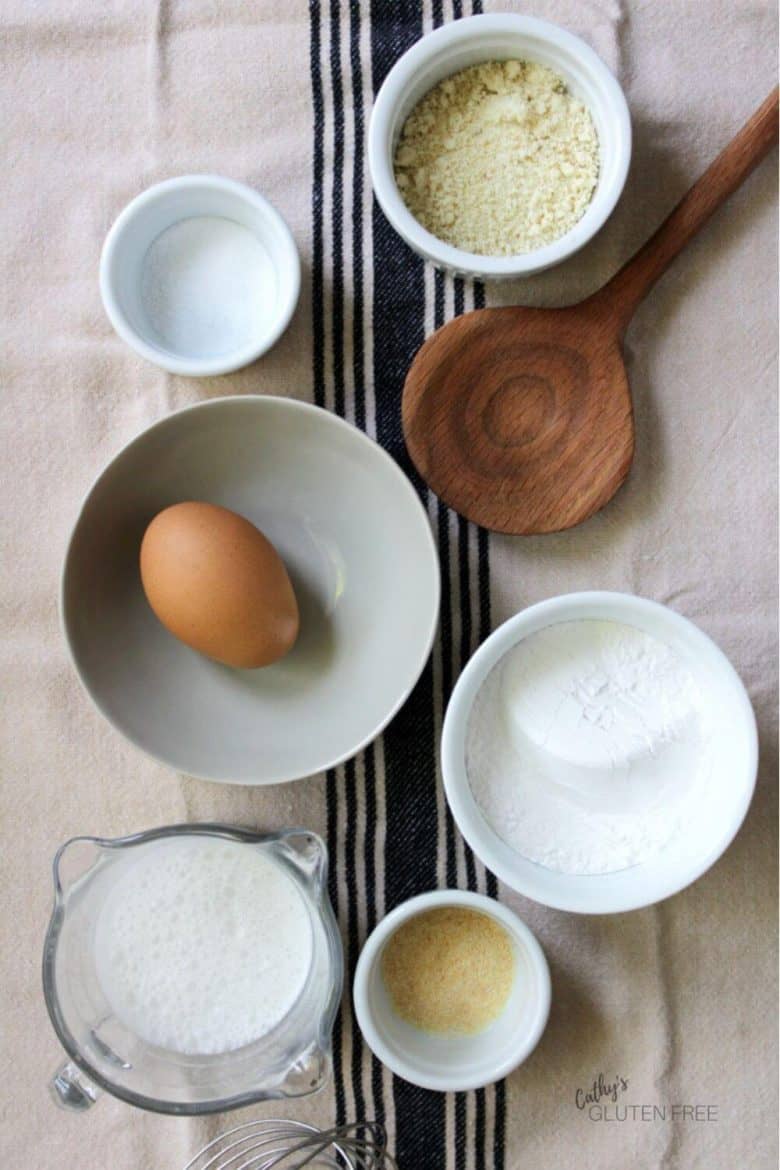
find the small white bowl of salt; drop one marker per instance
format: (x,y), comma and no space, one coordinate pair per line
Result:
(200,275)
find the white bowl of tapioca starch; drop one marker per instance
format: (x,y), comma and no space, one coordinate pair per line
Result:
(599,752)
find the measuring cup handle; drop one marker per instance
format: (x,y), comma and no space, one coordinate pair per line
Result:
(71,1089)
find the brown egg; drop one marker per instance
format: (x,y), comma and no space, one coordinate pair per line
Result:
(216,583)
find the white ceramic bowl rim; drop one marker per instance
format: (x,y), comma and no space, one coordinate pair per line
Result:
(380,149)
(178,363)
(551,888)
(404,486)
(448,1081)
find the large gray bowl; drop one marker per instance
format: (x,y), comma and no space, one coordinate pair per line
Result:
(359,549)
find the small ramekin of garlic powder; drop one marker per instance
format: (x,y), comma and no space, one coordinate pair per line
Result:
(452,990)
(449,970)
(498,145)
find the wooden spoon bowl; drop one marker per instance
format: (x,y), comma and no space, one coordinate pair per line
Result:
(521,419)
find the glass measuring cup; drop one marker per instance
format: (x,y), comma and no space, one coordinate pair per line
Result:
(291,1060)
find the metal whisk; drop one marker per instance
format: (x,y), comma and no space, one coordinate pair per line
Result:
(289,1145)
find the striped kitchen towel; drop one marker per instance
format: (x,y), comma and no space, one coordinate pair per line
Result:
(389,832)
(102,100)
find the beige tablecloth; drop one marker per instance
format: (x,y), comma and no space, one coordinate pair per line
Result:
(99,100)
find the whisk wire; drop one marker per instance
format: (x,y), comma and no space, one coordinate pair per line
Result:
(272,1142)
(266,1131)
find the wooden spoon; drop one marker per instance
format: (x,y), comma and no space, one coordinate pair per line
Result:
(521,419)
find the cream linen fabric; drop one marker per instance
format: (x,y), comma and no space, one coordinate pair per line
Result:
(100,100)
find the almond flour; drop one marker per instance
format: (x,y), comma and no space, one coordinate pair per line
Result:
(498,159)
(449,970)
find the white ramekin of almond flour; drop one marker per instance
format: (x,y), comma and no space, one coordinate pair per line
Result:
(499,37)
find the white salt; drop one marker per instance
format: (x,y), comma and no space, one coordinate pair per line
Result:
(208,287)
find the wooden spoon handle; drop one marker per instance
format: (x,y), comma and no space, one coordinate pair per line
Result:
(621,295)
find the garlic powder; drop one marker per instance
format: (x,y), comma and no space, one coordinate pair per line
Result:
(498,159)
(449,969)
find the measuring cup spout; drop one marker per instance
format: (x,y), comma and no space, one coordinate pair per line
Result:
(72,861)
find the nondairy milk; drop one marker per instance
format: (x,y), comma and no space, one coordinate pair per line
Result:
(202,945)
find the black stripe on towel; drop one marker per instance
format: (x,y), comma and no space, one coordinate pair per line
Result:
(318,370)
(337,212)
(358,343)
(343,847)
(358,372)
(317,276)
(345,850)
(410,851)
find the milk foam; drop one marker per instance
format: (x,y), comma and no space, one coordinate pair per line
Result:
(203,945)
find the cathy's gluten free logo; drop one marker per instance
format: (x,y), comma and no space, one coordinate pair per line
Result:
(601,1101)
(602,1089)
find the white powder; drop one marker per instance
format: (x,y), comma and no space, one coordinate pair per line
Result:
(202,945)
(208,287)
(586,746)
